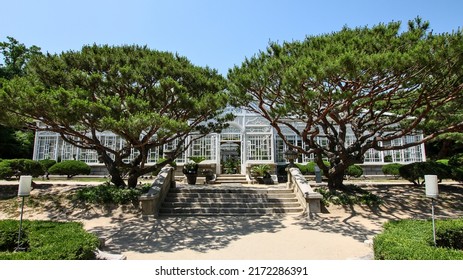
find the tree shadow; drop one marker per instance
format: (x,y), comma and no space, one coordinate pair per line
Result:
(363,222)
(171,234)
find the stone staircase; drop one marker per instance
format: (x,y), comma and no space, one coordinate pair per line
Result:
(230,178)
(229,200)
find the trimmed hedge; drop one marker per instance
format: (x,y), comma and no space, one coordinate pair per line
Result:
(47,240)
(415,172)
(70,168)
(47,163)
(413,240)
(110,194)
(391,169)
(354,171)
(17,167)
(309,168)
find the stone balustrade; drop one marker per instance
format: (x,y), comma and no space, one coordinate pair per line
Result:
(152,200)
(309,199)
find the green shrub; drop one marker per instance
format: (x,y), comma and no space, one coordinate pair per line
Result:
(47,163)
(354,171)
(350,195)
(261,170)
(18,167)
(456,167)
(392,169)
(9,236)
(303,168)
(110,194)
(450,234)
(309,168)
(52,241)
(70,168)
(415,172)
(388,158)
(6,171)
(456,160)
(413,240)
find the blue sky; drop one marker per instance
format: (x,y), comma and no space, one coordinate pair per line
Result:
(216,33)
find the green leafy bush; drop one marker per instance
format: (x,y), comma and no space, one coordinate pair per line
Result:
(261,170)
(456,160)
(70,168)
(9,236)
(450,234)
(392,169)
(110,194)
(47,163)
(18,167)
(456,166)
(309,168)
(415,172)
(350,195)
(413,240)
(47,240)
(354,171)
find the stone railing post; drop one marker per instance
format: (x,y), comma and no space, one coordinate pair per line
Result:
(152,200)
(309,199)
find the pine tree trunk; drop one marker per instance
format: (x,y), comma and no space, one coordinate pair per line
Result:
(116,177)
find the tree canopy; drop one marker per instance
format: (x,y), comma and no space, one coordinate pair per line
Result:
(357,89)
(15,140)
(147,97)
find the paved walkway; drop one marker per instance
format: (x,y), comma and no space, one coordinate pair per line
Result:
(340,233)
(233,238)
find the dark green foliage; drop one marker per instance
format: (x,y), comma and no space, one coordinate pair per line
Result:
(18,167)
(309,168)
(261,170)
(15,143)
(450,234)
(350,195)
(9,236)
(303,168)
(49,240)
(141,93)
(354,171)
(329,82)
(456,165)
(391,169)
(47,163)
(413,240)
(456,160)
(110,194)
(70,168)
(415,172)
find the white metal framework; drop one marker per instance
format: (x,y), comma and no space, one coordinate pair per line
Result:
(248,140)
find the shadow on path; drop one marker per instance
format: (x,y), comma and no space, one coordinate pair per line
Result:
(170,234)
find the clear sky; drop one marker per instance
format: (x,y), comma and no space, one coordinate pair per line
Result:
(216,33)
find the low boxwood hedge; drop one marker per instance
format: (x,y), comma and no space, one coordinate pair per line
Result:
(413,240)
(47,240)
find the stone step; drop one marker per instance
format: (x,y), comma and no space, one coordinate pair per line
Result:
(232,199)
(231,195)
(224,204)
(237,190)
(182,211)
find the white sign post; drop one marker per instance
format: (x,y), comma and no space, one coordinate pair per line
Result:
(24,190)
(432,191)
